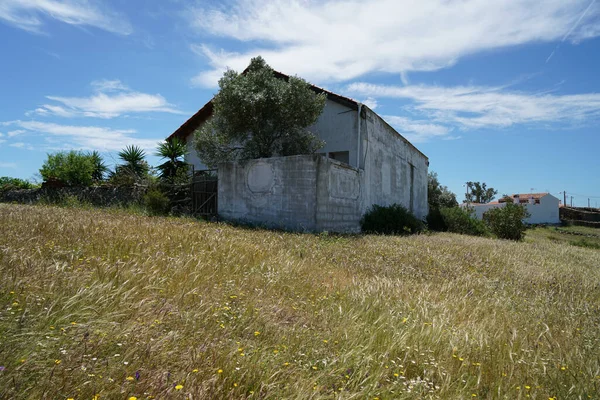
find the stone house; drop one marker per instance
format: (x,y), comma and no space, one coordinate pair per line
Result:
(364,162)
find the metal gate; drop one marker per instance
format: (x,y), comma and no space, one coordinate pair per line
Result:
(205,193)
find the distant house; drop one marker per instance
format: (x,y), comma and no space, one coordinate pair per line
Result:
(543,207)
(364,162)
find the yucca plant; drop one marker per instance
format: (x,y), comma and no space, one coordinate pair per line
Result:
(173,151)
(100,169)
(134,163)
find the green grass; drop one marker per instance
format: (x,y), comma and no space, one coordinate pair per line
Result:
(209,311)
(579,236)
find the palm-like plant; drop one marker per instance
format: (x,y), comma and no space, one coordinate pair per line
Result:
(100,169)
(174,151)
(134,163)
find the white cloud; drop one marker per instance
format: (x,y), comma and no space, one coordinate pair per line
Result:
(417,130)
(111,99)
(339,40)
(30,14)
(18,145)
(371,103)
(87,137)
(471,107)
(15,133)
(8,165)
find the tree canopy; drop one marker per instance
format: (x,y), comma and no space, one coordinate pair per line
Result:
(258,115)
(479,193)
(439,196)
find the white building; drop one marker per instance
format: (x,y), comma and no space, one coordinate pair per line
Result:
(542,207)
(364,162)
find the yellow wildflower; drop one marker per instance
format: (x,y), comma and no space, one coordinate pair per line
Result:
(130,378)
(57,362)
(133,398)
(195,370)
(314,367)
(256,333)
(220,371)
(179,387)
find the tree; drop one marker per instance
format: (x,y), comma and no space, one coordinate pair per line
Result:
(100,169)
(73,168)
(259,115)
(479,193)
(439,196)
(174,151)
(507,222)
(134,168)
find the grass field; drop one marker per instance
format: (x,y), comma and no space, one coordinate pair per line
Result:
(108,305)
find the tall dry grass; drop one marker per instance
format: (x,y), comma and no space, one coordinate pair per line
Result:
(114,305)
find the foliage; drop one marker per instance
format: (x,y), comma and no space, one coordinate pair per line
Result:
(7,183)
(259,115)
(135,168)
(90,293)
(461,220)
(174,170)
(73,168)
(438,196)
(156,202)
(390,220)
(479,193)
(507,222)
(100,169)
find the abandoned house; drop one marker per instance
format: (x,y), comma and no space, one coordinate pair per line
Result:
(364,162)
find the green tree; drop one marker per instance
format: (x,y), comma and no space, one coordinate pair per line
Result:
(174,168)
(7,183)
(100,169)
(507,222)
(259,115)
(73,168)
(439,196)
(479,193)
(134,167)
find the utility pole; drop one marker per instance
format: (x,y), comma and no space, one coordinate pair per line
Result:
(571,201)
(565,194)
(588,202)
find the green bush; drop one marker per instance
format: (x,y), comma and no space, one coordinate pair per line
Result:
(507,222)
(156,202)
(394,219)
(7,183)
(461,220)
(73,168)
(435,221)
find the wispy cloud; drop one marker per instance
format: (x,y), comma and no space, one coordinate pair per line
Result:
(15,133)
(417,130)
(84,137)
(575,25)
(30,14)
(340,40)
(8,165)
(111,99)
(474,107)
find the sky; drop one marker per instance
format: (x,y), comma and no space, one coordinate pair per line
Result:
(502,92)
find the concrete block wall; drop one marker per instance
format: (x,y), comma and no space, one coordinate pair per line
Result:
(277,192)
(300,193)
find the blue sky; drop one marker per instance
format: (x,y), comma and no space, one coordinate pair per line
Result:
(502,92)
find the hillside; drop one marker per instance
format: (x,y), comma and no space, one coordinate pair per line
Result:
(115,305)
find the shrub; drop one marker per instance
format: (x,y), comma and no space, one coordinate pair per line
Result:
(73,168)
(435,220)
(461,220)
(156,202)
(507,222)
(7,183)
(394,219)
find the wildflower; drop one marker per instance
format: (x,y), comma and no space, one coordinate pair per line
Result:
(195,370)
(314,367)
(2,368)
(325,341)
(137,375)
(256,333)
(235,385)
(527,387)
(285,364)
(473,395)
(275,351)
(563,368)
(396,374)
(73,323)
(70,398)
(477,364)
(96,397)
(16,303)
(461,359)
(133,398)
(179,387)
(57,362)
(242,354)
(220,371)
(130,378)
